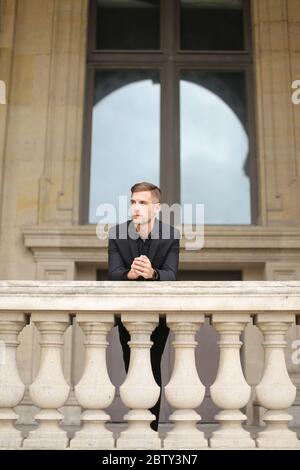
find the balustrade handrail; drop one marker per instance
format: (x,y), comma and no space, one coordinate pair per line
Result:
(274,306)
(118,297)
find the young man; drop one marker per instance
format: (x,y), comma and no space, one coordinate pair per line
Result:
(144,249)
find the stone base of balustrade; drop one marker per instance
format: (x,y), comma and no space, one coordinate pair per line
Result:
(36,441)
(185,434)
(94,434)
(278,441)
(278,444)
(10,440)
(231,436)
(192,441)
(139,435)
(277,435)
(10,437)
(231,442)
(48,435)
(148,440)
(88,441)
(284,441)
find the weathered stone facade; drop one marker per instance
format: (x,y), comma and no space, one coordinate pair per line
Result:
(42,61)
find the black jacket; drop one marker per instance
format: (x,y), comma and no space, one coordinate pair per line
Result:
(163,252)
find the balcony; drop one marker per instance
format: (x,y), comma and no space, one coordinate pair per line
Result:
(52,306)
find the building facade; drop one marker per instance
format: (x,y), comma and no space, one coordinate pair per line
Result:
(48,63)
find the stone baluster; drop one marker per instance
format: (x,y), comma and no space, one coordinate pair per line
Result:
(11,386)
(230,391)
(185,390)
(50,390)
(139,391)
(94,391)
(275,391)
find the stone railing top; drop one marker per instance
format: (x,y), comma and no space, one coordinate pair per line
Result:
(178,296)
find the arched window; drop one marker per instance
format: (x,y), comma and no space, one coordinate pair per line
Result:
(169,100)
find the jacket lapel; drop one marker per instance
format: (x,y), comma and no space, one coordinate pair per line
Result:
(132,241)
(133,248)
(155,236)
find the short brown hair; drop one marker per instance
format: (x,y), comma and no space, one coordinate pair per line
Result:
(144,186)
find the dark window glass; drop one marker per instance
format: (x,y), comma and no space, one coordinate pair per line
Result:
(199,275)
(125,137)
(214,146)
(212,25)
(169,100)
(128,24)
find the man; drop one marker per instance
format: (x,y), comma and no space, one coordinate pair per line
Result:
(144,249)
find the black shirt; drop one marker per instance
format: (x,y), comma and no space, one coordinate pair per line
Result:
(143,249)
(144,245)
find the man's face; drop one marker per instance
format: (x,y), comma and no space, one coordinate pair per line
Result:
(143,209)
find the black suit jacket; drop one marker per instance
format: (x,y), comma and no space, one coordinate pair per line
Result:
(163,252)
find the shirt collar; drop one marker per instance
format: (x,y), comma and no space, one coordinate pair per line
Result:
(153,231)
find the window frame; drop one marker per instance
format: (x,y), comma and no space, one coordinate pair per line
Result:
(169,60)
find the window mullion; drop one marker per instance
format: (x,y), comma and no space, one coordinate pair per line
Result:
(170,157)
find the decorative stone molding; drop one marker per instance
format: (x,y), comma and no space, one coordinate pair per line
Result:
(49,391)
(139,391)
(282,271)
(185,391)
(230,306)
(234,246)
(275,392)
(56,270)
(12,388)
(94,392)
(230,391)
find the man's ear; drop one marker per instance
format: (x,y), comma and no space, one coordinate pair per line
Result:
(157,208)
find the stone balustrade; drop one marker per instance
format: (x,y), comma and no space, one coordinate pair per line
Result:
(272,306)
